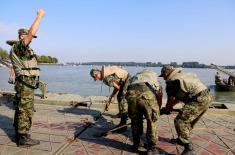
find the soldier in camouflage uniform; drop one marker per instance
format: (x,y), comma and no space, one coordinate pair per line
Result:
(26,75)
(117,78)
(142,101)
(187,88)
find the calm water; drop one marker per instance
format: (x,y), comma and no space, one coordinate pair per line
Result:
(76,79)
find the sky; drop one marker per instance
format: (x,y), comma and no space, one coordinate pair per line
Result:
(126,30)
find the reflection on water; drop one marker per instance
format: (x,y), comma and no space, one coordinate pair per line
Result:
(222,96)
(76,79)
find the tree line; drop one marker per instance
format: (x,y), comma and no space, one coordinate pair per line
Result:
(148,64)
(41,59)
(47,59)
(3,53)
(142,64)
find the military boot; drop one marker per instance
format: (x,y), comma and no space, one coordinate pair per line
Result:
(136,143)
(135,148)
(188,150)
(26,141)
(152,150)
(17,137)
(122,122)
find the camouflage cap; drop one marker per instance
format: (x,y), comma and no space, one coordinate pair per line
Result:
(166,68)
(93,72)
(24,31)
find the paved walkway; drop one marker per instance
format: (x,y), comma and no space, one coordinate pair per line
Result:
(55,127)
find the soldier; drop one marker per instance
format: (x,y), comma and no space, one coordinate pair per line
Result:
(118,78)
(187,88)
(231,80)
(218,79)
(143,98)
(26,78)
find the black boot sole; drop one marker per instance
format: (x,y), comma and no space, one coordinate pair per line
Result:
(26,145)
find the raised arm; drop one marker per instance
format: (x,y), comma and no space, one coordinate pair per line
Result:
(34,28)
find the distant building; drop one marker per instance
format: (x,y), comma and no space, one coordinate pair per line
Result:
(142,64)
(193,65)
(159,64)
(174,64)
(190,64)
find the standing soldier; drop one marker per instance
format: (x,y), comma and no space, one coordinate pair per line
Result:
(142,97)
(187,88)
(118,78)
(26,80)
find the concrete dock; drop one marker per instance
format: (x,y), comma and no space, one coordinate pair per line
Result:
(61,116)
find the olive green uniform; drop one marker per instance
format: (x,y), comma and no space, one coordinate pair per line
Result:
(142,101)
(26,72)
(123,83)
(187,88)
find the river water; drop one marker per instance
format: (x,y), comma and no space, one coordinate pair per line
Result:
(76,79)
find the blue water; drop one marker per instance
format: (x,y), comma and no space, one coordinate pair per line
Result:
(76,79)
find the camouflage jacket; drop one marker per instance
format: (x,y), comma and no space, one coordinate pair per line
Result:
(114,74)
(23,60)
(111,79)
(146,76)
(183,85)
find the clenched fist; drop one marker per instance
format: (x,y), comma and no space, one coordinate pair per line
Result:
(41,12)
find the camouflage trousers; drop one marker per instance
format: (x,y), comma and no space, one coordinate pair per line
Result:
(122,102)
(142,102)
(24,106)
(189,116)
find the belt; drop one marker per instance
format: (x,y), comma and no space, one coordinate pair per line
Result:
(139,86)
(32,68)
(19,79)
(204,92)
(25,76)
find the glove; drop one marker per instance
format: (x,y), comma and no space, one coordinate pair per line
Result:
(11,81)
(165,111)
(106,107)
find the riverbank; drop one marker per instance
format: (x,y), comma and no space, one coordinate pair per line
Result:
(77,80)
(61,116)
(68,99)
